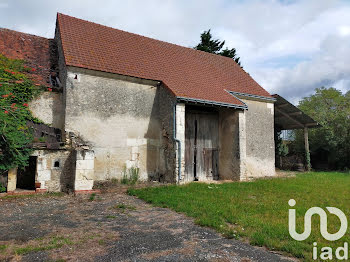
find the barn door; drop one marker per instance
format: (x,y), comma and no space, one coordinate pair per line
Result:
(201,146)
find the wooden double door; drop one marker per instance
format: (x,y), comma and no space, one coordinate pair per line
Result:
(201,145)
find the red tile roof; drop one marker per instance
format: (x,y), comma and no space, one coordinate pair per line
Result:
(186,72)
(35,50)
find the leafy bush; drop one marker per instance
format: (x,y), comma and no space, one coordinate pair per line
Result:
(331,108)
(16,91)
(282,149)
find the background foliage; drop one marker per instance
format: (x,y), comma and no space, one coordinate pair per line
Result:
(331,108)
(215,46)
(16,91)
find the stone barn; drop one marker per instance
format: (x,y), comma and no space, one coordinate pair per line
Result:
(123,101)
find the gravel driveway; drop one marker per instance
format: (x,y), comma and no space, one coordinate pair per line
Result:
(110,227)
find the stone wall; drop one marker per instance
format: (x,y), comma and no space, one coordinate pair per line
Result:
(55,170)
(128,122)
(229,153)
(48,107)
(167,102)
(120,119)
(260,147)
(62,75)
(84,170)
(180,135)
(11,180)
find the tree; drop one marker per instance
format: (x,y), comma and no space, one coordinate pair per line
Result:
(331,108)
(214,46)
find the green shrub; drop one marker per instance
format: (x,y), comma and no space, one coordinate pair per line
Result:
(92,197)
(16,91)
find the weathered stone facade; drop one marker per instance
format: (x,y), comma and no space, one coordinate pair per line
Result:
(120,120)
(230,143)
(129,122)
(117,107)
(111,123)
(55,170)
(260,146)
(246,141)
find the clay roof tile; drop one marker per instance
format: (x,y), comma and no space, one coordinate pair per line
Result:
(34,50)
(188,73)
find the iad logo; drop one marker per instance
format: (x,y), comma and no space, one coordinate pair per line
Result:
(323,222)
(326,251)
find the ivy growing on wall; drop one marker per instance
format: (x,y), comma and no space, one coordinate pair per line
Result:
(16,91)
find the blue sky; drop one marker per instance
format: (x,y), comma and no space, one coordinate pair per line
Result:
(290,47)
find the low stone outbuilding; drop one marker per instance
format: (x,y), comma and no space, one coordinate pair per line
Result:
(126,101)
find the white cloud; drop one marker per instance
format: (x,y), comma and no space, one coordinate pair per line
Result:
(329,67)
(344,30)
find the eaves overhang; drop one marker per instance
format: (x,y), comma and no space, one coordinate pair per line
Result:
(251,96)
(209,102)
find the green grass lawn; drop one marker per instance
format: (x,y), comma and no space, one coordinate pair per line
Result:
(258,211)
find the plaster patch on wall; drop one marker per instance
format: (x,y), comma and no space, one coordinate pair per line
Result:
(271,107)
(260,156)
(136,141)
(48,107)
(44,175)
(41,164)
(256,167)
(116,131)
(74,76)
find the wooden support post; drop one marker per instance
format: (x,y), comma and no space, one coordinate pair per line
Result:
(307,149)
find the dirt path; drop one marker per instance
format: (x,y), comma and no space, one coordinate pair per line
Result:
(112,227)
